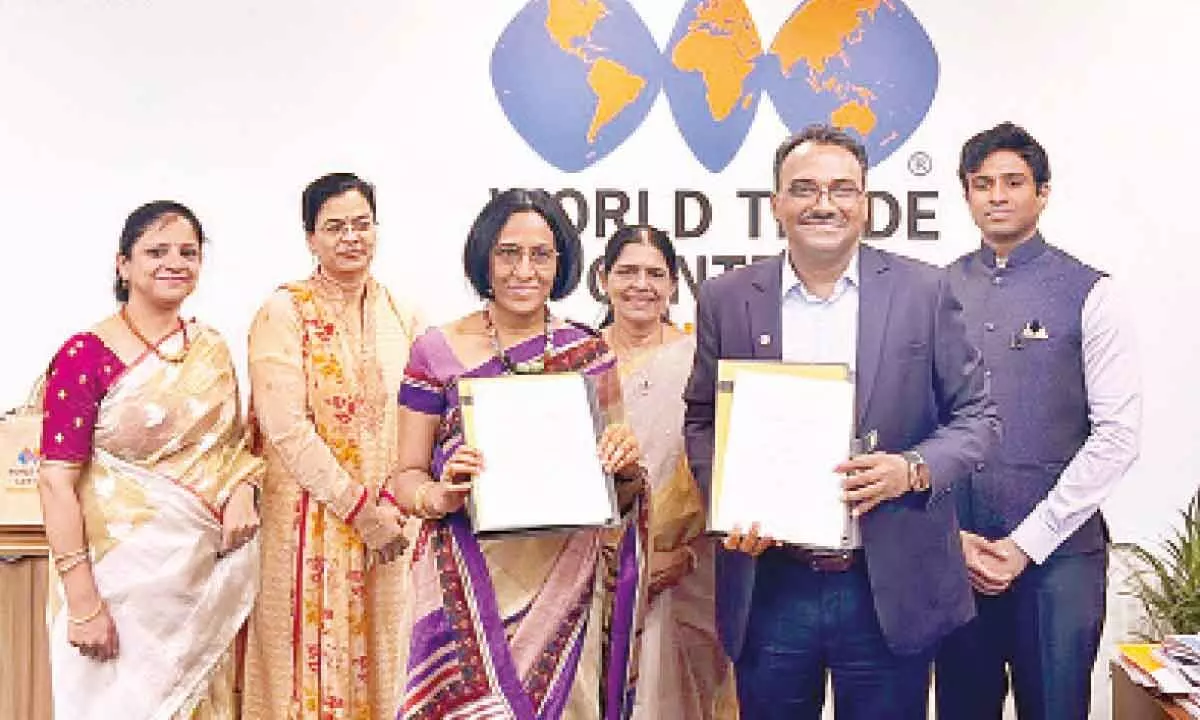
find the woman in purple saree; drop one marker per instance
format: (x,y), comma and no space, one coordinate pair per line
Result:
(541,627)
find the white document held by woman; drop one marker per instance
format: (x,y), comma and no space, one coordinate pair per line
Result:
(786,433)
(537,434)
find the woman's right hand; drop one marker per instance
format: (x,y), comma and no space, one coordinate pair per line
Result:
(669,567)
(96,638)
(450,493)
(379,525)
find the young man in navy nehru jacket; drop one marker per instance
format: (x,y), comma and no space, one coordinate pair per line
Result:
(1061,369)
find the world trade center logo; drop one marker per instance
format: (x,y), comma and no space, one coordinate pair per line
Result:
(576,78)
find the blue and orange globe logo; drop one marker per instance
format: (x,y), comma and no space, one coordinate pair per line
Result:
(577,77)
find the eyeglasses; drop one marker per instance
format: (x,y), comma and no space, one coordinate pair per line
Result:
(338,228)
(842,194)
(509,256)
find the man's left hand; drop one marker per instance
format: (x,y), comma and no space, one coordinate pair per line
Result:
(872,479)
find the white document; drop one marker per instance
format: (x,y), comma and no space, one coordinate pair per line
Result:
(786,433)
(537,434)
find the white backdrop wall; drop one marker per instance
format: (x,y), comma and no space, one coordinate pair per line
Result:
(232,107)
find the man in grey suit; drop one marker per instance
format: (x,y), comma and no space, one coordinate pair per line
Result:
(869,614)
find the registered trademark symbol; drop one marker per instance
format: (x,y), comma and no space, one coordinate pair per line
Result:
(920,164)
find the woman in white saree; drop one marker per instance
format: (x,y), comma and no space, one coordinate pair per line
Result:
(147,491)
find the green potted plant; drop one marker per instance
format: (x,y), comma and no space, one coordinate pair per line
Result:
(1168,582)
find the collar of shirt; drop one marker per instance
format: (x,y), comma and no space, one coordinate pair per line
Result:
(793,285)
(1022,254)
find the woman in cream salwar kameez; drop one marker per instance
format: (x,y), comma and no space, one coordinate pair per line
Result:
(326,358)
(685,674)
(146,490)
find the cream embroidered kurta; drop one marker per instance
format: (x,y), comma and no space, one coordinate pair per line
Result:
(328,635)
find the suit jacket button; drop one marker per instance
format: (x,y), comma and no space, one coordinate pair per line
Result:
(979,467)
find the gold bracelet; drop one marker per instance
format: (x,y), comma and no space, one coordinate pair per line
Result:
(70,565)
(89,617)
(60,558)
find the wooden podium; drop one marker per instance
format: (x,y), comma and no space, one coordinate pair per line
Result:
(24,586)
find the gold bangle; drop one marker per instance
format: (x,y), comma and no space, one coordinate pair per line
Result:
(64,557)
(70,565)
(89,617)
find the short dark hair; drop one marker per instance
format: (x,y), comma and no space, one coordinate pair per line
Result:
(646,235)
(1005,136)
(327,186)
(821,135)
(477,253)
(152,214)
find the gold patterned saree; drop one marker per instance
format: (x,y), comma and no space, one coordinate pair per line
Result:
(168,448)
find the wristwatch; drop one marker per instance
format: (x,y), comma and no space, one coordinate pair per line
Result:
(918,471)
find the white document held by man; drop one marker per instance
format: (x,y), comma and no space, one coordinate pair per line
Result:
(786,434)
(537,434)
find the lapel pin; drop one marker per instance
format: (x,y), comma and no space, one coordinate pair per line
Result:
(764,339)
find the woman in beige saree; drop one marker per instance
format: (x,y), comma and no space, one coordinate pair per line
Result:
(146,490)
(326,358)
(684,672)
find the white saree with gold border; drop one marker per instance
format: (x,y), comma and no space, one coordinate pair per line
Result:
(168,448)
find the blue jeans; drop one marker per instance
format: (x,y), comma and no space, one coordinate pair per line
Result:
(1046,628)
(804,624)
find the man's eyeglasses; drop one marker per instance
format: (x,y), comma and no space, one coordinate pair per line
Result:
(338,228)
(842,194)
(509,256)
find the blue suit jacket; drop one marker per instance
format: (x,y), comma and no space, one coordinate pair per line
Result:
(919,385)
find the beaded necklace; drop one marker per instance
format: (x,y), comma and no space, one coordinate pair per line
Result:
(529,367)
(155,348)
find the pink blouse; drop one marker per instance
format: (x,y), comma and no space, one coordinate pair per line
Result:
(80,375)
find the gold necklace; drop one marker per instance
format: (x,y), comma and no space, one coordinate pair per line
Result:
(155,347)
